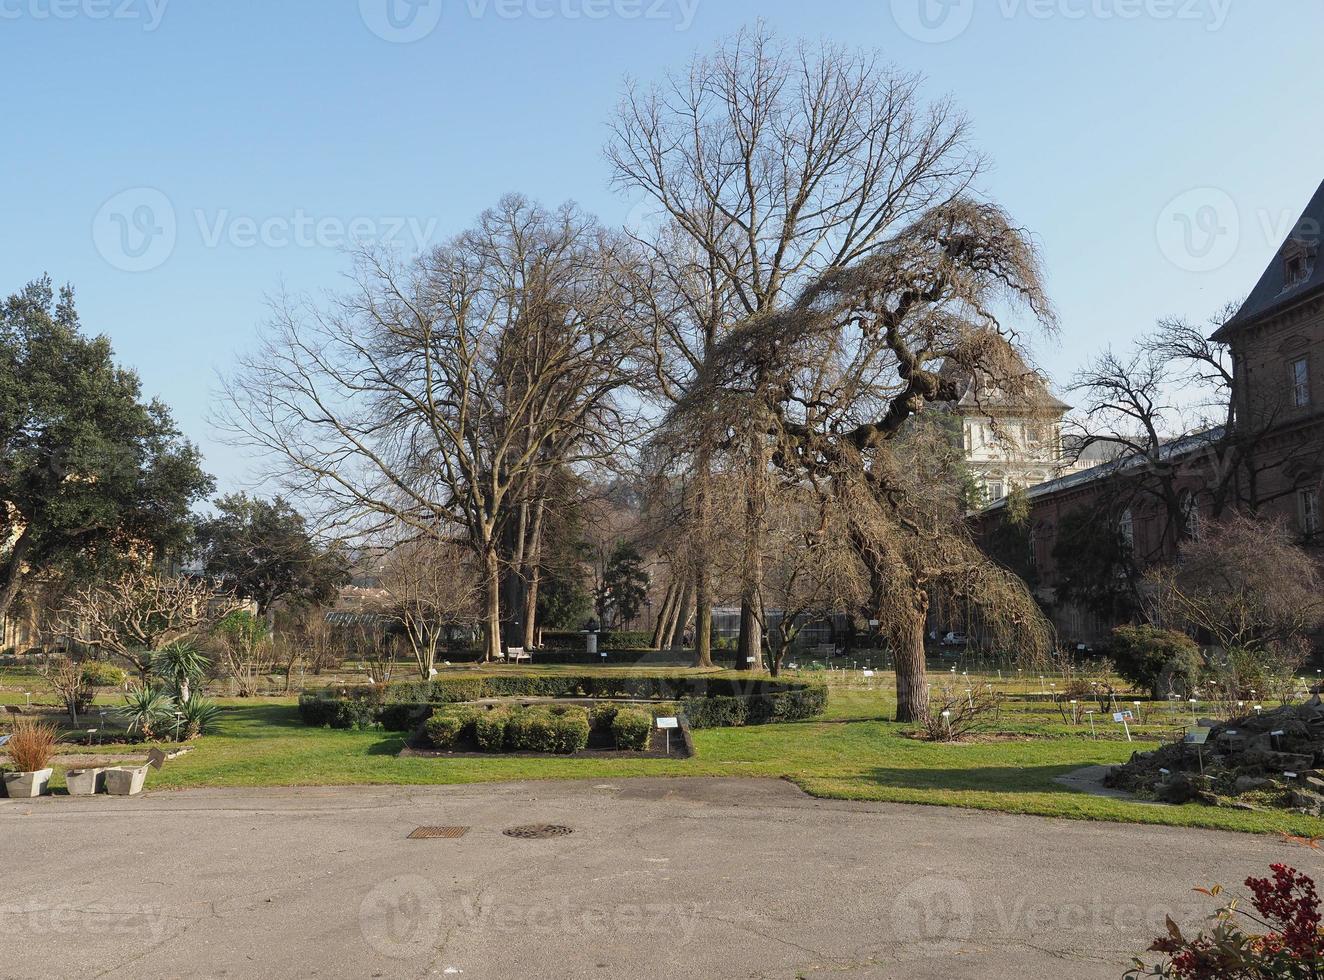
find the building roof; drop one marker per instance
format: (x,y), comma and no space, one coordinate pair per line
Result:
(1272,293)
(1124,464)
(979,394)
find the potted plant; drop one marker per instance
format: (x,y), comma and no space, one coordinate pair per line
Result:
(30,749)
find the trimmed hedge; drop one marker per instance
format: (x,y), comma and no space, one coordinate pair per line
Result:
(707,701)
(561,730)
(451,726)
(631,729)
(490,729)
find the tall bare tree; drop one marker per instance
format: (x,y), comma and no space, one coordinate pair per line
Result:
(769,164)
(431,397)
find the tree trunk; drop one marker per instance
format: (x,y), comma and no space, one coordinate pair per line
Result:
(703,619)
(676,637)
(492,619)
(912,682)
(749,651)
(533,576)
(663,615)
(12,577)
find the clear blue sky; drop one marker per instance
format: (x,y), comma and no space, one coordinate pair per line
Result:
(1096,115)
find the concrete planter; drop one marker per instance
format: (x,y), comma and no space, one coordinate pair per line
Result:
(26,785)
(125,781)
(85,782)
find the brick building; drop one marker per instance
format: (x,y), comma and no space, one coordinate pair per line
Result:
(1271,462)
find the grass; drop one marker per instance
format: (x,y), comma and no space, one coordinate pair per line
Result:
(852,753)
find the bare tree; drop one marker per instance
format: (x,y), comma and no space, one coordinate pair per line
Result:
(843,374)
(1172,420)
(1244,583)
(141,612)
(433,396)
(768,164)
(430,588)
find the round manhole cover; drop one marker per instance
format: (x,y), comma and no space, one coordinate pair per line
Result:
(538,831)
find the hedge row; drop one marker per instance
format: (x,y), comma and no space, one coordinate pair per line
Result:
(707,702)
(607,639)
(559,729)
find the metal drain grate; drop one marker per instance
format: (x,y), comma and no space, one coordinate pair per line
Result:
(438,833)
(538,831)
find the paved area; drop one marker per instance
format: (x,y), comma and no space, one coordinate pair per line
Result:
(661,878)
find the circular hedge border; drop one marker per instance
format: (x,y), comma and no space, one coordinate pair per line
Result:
(705,701)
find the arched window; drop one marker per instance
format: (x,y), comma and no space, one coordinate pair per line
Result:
(1126,527)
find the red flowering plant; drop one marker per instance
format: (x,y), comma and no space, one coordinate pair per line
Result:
(1290,947)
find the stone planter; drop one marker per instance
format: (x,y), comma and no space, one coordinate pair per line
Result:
(85,782)
(26,785)
(125,781)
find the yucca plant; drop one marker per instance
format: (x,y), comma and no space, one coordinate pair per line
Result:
(199,716)
(146,709)
(31,745)
(182,667)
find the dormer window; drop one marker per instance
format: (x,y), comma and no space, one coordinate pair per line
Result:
(1298,263)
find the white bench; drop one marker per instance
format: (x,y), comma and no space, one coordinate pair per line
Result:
(516,654)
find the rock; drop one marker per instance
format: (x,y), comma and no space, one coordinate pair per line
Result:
(1276,761)
(1249,784)
(1178,789)
(1306,800)
(1314,783)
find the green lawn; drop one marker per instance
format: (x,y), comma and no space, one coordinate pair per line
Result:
(852,753)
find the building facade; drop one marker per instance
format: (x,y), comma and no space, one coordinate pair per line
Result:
(1271,463)
(1010,442)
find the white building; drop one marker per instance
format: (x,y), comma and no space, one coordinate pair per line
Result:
(1011,440)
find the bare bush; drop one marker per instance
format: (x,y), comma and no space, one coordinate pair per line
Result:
(955,713)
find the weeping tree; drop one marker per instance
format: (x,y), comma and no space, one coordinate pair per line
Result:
(842,376)
(766,164)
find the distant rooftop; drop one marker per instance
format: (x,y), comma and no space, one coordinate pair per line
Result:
(1125,464)
(1273,292)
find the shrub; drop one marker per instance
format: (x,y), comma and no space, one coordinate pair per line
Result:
(447,728)
(631,729)
(31,745)
(344,712)
(1286,906)
(200,716)
(99,673)
(403,716)
(569,730)
(600,716)
(490,729)
(1160,661)
(146,709)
